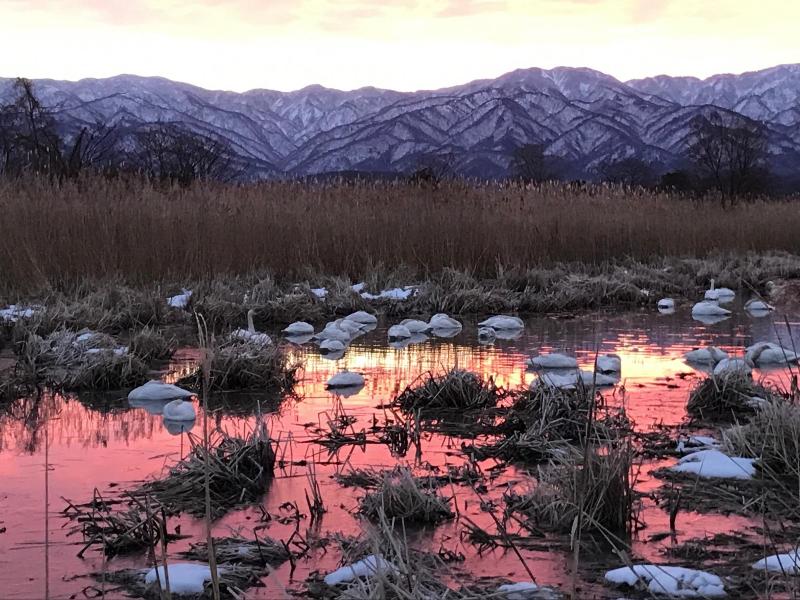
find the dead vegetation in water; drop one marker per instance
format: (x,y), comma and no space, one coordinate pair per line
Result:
(120,526)
(455,390)
(400,495)
(239,471)
(725,398)
(545,422)
(244,366)
(241,551)
(596,487)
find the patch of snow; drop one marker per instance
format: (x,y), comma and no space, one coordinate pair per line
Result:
(358,287)
(780,563)
(403,293)
(523,590)
(13,313)
(674,582)
(365,567)
(184,578)
(713,463)
(181,300)
(320,292)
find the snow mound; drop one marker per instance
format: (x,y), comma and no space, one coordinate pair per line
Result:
(673,582)
(713,463)
(184,578)
(181,300)
(365,567)
(780,563)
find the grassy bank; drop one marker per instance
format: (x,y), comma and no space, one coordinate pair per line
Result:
(96,229)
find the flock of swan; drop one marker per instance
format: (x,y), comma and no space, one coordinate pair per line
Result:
(553,370)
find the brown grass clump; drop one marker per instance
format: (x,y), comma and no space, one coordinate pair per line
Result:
(151,344)
(237,550)
(213,230)
(455,390)
(240,470)
(723,398)
(243,366)
(771,435)
(600,490)
(402,496)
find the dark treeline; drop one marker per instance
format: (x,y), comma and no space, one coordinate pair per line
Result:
(725,154)
(33,142)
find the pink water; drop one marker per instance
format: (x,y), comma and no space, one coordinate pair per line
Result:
(101,442)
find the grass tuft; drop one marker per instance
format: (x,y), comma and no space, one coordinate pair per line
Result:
(455,390)
(400,495)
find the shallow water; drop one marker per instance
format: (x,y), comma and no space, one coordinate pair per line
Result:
(99,441)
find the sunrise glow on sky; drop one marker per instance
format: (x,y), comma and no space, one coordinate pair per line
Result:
(397,44)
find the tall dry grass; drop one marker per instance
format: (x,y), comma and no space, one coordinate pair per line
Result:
(51,237)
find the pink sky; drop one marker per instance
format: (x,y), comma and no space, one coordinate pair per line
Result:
(399,44)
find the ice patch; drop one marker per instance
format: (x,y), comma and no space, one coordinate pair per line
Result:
(713,463)
(184,578)
(674,582)
(370,565)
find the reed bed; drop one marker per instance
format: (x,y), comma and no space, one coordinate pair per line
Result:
(151,344)
(246,366)
(454,390)
(239,472)
(400,495)
(102,227)
(597,486)
(726,398)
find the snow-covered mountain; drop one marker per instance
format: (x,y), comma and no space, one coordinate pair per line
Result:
(582,115)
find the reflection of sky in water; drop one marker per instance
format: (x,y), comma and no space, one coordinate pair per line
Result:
(100,440)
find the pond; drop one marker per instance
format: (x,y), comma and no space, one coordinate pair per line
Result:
(63,447)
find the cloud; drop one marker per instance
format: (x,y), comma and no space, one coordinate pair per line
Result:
(471,8)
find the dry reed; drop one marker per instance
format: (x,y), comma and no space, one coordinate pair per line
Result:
(130,229)
(454,390)
(400,495)
(723,398)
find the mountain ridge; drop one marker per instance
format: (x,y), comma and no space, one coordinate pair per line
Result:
(582,115)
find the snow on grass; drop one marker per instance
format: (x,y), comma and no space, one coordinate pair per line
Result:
(365,567)
(184,578)
(713,463)
(403,293)
(13,313)
(697,442)
(525,590)
(320,292)
(780,563)
(673,582)
(181,300)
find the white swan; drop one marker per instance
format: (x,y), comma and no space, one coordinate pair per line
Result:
(758,306)
(666,304)
(345,379)
(503,322)
(158,390)
(179,410)
(571,380)
(250,335)
(299,328)
(331,346)
(442,321)
(354,328)
(416,325)
(399,332)
(733,366)
(332,331)
(709,308)
(710,355)
(768,353)
(486,335)
(362,317)
(721,294)
(609,363)
(552,361)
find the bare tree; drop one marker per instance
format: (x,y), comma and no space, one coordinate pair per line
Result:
(627,171)
(530,163)
(729,152)
(170,153)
